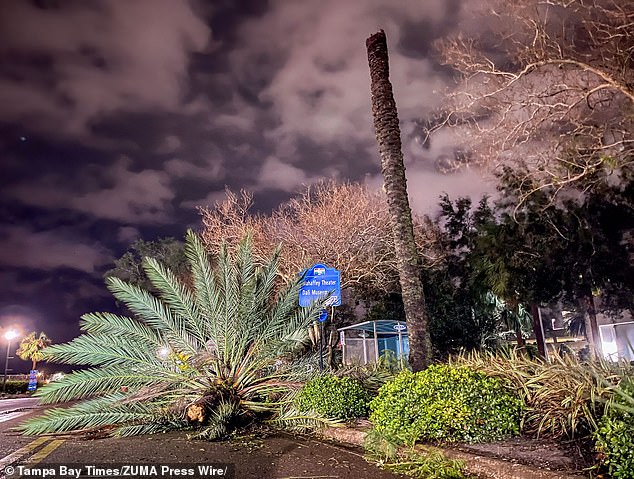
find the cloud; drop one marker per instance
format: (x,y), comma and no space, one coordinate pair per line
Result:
(135,196)
(208,200)
(49,250)
(128,234)
(211,169)
(314,73)
(282,176)
(68,65)
(171,143)
(425,187)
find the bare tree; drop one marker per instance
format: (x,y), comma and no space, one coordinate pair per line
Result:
(230,220)
(343,225)
(388,136)
(548,84)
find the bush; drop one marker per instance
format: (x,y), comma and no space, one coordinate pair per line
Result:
(334,397)
(446,403)
(16,387)
(615,435)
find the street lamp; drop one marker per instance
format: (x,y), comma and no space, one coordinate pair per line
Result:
(9,336)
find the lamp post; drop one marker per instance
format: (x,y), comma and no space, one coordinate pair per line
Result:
(9,336)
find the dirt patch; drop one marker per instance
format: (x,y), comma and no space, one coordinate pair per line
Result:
(542,453)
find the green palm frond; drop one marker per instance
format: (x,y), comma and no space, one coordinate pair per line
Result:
(109,323)
(294,420)
(153,312)
(104,411)
(176,296)
(91,382)
(205,292)
(96,350)
(224,342)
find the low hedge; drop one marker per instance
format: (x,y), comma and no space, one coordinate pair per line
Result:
(446,403)
(16,387)
(334,397)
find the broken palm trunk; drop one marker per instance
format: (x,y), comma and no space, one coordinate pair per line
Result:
(388,136)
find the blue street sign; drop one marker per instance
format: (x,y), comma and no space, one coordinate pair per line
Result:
(323,316)
(320,281)
(32,380)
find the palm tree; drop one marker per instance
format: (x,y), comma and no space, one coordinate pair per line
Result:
(31,348)
(388,136)
(210,353)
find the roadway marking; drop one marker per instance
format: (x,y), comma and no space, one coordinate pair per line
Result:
(23,451)
(45,451)
(28,449)
(8,416)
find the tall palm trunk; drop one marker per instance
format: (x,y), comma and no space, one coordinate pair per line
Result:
(388,135)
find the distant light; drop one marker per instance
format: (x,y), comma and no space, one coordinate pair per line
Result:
(23,138)
(11,335)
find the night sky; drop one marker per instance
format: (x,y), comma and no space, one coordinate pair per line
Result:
(119,118)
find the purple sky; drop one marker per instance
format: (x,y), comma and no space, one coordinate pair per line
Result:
(118,118)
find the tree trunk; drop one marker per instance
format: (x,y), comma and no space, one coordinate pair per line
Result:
(388,136)
(590,317)
(521,343)
(539,331)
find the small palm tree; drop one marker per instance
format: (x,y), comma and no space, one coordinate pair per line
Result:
(210,352)
(31,348)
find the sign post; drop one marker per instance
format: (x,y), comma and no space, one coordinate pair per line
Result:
(321,281)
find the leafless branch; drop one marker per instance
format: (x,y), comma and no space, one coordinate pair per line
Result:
(548,86)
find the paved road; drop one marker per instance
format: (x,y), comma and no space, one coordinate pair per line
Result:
(8,405)
(276,456)
(12,412)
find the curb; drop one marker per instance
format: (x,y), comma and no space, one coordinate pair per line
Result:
(477,465)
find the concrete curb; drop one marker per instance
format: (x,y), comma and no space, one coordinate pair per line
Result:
(478,465)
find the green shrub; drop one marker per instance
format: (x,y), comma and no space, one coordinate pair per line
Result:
(334,397)
(16,387)
(615,435)
(446,403)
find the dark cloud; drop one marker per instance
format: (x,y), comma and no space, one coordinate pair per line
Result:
(67,64)
(49,250)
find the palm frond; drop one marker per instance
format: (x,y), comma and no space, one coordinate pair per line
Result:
(176,296)
(90,382)
(206,293)
(113,324)
(91,414)
(293,420)
(153,312)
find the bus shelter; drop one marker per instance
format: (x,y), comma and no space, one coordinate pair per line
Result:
(365,342)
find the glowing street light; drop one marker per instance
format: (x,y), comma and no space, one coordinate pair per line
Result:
(10,335)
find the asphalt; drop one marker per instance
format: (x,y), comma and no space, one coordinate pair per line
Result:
(277,456)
